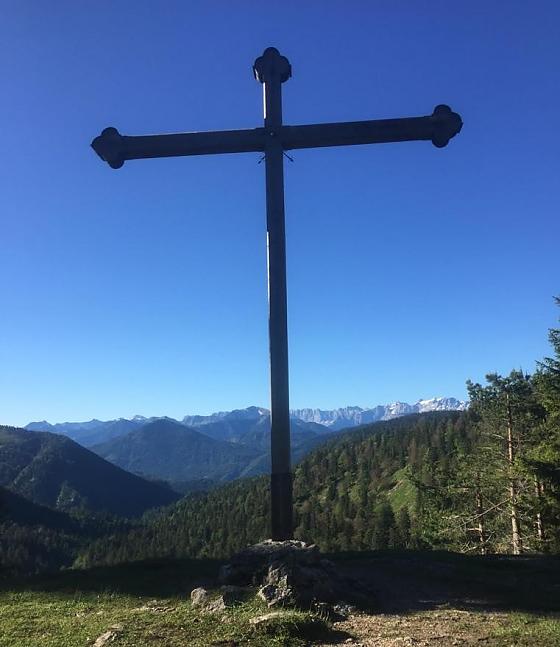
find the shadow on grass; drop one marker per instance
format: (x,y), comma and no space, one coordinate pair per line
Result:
(152,578)
(397,581)
(407,581)
(304,627)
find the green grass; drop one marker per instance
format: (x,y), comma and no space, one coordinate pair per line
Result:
(53,620)
(403,493)
(529,630)
(148,602)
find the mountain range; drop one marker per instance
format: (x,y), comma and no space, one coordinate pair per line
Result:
(232,425)
(198,451)
(336,419)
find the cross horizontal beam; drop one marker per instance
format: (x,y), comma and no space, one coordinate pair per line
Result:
(439,128)
(115,149)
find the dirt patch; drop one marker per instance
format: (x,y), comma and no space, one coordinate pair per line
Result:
(438,627)
(430,599)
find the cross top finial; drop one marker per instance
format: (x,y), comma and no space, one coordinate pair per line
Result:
(272,65)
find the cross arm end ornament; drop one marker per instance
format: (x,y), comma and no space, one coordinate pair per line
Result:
(446,124)
(109,147)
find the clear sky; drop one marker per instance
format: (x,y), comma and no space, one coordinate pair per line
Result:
(410,269)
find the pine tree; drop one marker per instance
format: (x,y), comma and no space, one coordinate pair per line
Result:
(508,417)
(545,457)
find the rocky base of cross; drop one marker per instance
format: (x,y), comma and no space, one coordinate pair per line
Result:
(294,574)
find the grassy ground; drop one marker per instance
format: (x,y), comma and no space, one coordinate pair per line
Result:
(139,604)
(52,620)
(421,599)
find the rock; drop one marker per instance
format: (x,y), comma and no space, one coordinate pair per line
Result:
(161,608)
(277,595)
(213,606)
(109,636)
(267,618)
(291,573)
(327,612)
(267,592)
(344,609)
(105,638)
(250,565)
(199,597)
(294,581)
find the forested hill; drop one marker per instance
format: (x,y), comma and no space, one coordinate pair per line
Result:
(444,480)
(34,538)
(357,491)
(54,471)
(169,450)
(15,509)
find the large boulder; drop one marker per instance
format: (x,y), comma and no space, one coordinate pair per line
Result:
(288,573)
(250,566)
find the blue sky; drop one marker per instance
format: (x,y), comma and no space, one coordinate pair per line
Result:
(410,269)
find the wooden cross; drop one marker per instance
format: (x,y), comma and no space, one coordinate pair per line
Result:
(272,69)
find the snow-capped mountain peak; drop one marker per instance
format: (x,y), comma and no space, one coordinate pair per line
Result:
(352,416)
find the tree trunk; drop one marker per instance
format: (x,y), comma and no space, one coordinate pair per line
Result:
(538,521)
(515,530)
(481,528)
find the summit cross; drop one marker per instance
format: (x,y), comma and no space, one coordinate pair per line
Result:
(273,139)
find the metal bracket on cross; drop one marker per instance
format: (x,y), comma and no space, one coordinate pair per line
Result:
(272,69)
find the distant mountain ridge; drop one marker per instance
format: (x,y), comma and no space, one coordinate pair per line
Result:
(336,419)
(95,431)
(92,432)
(224,446)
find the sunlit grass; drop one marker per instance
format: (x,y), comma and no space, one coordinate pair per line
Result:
(530,630)
(53,620)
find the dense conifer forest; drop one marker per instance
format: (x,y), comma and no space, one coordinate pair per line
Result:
(34,538)
(351,494)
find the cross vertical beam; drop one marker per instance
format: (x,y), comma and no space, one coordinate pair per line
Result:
(272,70)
